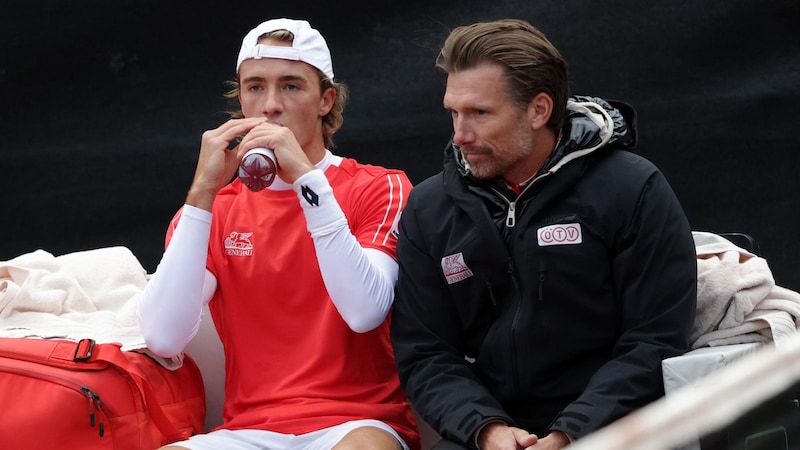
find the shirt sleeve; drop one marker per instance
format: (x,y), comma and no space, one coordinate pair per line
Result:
(359,280)
(171,305)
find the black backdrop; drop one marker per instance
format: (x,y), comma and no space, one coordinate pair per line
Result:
(103,103)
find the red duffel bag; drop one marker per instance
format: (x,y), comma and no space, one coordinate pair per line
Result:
(61,394)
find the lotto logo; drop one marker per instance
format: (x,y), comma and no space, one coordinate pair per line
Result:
(561,234)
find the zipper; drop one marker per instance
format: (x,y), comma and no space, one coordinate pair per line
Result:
(511,214)
(514,327)
(511,217)
(542,278)
(95,404)
(491,293)
(92,398)
(511,221)
(541,286)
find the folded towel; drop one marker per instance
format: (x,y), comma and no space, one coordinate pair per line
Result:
(738,300)
(88,294)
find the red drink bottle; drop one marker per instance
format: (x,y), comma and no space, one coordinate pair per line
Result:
(258,168)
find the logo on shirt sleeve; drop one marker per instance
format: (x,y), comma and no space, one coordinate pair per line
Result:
(455,269)
(560,234)
(311,197)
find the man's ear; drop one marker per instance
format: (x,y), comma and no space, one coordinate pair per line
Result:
(539,110)
(326,103)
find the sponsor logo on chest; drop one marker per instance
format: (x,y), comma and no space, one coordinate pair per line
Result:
(238,244)
(560,234)
(455,269)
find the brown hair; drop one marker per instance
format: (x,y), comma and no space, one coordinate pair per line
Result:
(331,122)
(531,63)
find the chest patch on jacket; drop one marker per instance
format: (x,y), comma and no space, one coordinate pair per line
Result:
(455,269)
(560,234)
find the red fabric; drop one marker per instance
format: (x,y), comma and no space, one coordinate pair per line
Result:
(292,363)
(136,403)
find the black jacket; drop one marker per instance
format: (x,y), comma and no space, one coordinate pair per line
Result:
(552,310)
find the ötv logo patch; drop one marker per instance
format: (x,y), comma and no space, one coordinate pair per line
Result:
(561,234)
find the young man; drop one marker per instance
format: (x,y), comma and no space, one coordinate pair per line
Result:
(547,270)
(299,277)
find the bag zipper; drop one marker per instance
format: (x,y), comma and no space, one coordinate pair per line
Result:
(95,404)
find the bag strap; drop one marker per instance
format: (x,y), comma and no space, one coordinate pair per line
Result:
(85,349)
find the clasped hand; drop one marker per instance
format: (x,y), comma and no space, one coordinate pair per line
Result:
(499,436)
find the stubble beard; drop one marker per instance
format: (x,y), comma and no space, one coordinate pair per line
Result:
(503,160)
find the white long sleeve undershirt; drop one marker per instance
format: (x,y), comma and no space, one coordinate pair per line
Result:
(360,280)
(171,305)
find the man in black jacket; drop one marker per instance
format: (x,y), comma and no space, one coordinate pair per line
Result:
(547,270)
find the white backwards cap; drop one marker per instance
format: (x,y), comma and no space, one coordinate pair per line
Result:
(308,45)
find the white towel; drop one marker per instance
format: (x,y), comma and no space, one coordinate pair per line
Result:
(738,301)
(88,294)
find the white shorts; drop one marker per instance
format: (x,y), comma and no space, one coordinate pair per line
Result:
(269,440)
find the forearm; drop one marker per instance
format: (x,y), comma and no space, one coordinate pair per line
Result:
(170,307)
(201,197)
(430,384)
(360,281)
